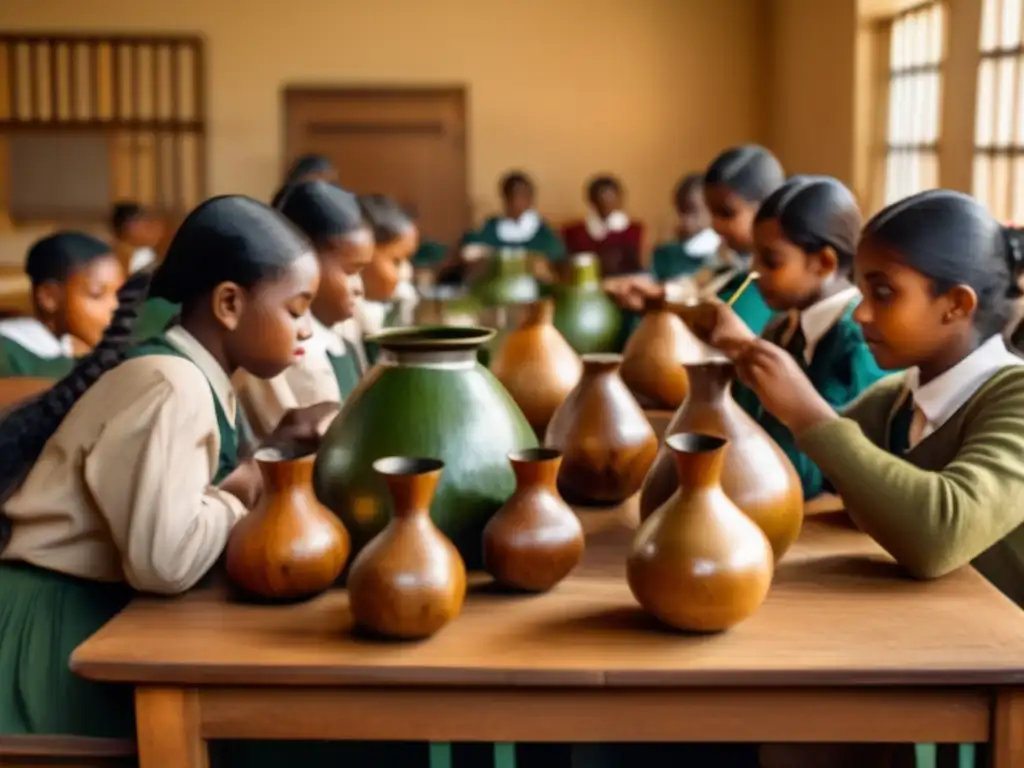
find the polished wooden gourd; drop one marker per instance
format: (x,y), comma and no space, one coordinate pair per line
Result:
(606,441)
(652,364)
(698,563)
(756,475)
(537,365)
(535,539)
(290,546)
(409,581)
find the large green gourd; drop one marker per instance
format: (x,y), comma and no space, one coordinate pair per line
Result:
(584,314)
(427,397)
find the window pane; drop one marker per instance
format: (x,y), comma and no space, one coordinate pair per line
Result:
(914,102)
(1006,71)
(1010,32)
(984,124)
(999,187)
(982,175)
(990,25)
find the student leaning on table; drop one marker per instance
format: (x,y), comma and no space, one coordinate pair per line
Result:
(929,462)
(131,474)
(328,368)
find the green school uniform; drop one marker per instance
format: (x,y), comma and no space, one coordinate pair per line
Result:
(678,258)
(154,317)
(840,369)
(44,615)
(31,350)
(954,497)
(750,305)
(346,369)
(544,240)
(430,254)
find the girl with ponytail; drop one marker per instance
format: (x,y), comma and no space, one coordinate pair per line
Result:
(929,462)
(131,478)
(805,235)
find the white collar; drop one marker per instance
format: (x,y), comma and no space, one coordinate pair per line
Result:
(31,334)
(141,258)
(220,383)
(370,315)
(519,230)
(703,245)
(323,340)
(941,397)
(819,318)
(598,228)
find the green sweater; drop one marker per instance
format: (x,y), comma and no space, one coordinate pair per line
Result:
(544,241)
(841,368)
(952,499)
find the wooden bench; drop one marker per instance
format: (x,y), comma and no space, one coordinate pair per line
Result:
(33,751)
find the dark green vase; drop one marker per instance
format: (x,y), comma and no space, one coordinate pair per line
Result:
(427,397)
(506,279)
(584,314)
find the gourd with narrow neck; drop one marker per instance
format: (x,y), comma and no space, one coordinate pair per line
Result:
(756,475)
(584,314)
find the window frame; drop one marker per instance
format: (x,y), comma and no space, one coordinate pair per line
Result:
(1012,205)
(931,62)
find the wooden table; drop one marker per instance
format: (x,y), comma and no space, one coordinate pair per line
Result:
(845,649)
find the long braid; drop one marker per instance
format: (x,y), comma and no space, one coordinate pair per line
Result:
(25,430)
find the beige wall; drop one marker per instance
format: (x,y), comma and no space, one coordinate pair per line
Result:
(811,66)
(646,89)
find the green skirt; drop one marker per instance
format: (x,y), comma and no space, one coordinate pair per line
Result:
(44,615)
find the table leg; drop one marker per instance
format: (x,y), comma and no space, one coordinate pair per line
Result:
(1007,746)
(167,724)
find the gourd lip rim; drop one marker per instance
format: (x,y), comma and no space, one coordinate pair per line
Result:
(303,450)
(695,442)
(538,455)
(407,466)
(602,358)
(433,337)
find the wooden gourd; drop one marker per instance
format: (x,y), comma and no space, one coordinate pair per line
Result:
(652,364)
(537,365)
(756,474)
(606,441)
(290,546)
(697,562)
(409,581)
(535,539)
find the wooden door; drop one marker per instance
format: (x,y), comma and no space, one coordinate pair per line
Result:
(409,144)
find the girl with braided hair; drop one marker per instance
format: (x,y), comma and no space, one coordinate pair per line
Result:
(125,476)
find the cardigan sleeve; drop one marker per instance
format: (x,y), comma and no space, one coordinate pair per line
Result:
(149,474)
(932,522)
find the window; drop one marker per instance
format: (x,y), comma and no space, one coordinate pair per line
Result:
(86,120)
(999,123)
(915,86)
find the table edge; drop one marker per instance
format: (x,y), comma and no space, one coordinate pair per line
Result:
(188,675)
